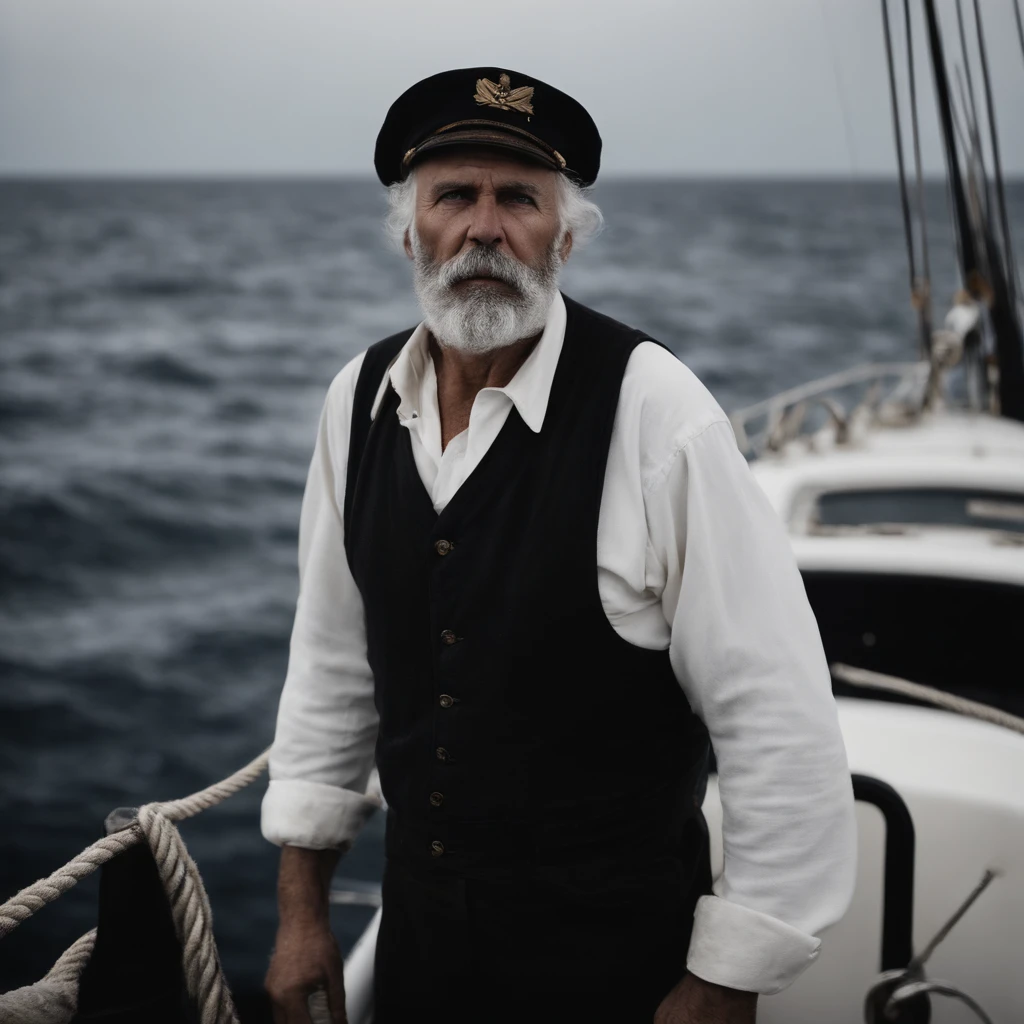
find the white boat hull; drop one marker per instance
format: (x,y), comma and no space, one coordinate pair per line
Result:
(963,782)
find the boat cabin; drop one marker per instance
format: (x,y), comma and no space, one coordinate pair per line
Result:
(911,544)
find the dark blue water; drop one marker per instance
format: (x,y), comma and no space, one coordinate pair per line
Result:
(164,352)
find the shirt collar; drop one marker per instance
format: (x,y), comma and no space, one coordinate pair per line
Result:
(529,390)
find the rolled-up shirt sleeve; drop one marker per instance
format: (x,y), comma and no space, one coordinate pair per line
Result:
(323,749)
(746,649)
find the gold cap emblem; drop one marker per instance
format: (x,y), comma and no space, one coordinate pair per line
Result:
(503,96)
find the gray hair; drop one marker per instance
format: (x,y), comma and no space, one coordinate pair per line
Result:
(578,215)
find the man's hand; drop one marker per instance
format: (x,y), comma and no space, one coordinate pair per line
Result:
(695,1001)
(304,960)
(306,957)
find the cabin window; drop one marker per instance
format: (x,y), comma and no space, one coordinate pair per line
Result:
(921,506)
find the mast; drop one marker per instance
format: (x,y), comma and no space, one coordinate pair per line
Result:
(985,273)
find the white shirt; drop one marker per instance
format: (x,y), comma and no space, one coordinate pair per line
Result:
(691,557)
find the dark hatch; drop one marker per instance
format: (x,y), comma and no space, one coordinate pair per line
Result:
(961,636)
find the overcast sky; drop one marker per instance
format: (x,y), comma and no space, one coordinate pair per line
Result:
(301,86)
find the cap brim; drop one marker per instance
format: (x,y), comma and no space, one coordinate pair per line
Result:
(484,137)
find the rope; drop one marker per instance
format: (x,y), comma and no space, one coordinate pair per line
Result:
(928,694)
(190,907)
(54,999)
(190,806)
(70,963)
(193,921)
(34,897)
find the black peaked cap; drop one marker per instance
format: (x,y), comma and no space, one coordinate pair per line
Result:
(488,107)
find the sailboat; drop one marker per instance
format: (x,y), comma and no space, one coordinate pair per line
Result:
(902,486)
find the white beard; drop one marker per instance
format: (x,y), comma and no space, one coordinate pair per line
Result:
(481,318)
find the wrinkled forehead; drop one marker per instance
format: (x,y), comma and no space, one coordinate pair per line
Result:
(479,166)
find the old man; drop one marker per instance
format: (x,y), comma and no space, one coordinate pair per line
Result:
(536,577)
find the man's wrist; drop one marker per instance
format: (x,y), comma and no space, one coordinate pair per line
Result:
(303,888)
(696,1001)
(719,998)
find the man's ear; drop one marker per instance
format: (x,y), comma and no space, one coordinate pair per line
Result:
(407,244)
(566,246)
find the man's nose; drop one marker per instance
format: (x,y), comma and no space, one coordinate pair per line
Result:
(485,226)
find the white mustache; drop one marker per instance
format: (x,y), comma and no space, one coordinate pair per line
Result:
(483,263)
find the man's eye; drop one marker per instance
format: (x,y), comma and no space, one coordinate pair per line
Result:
(455,193)
(521,199)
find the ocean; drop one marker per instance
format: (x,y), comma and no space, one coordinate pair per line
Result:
(165,348)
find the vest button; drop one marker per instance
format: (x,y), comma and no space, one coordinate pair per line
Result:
(436,848)
(446,701)
(442,755)
(442,547)
(436,799)
(448,637)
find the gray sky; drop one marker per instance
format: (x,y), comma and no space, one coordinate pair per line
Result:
(301,86)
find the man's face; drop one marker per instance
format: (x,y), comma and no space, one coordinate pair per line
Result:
(477,197)
(486,248)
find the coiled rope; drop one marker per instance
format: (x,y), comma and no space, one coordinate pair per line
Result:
(57,993)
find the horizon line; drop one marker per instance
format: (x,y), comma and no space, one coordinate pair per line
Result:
(331,176)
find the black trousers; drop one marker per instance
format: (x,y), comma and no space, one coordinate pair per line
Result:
(469,951)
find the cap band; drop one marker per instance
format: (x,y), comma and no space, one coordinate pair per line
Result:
(555,158)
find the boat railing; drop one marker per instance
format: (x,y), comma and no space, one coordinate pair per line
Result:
(771,423)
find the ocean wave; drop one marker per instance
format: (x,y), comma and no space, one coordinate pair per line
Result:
(46,534)
(165,368)
(241,410)
(17,409)
(169,286)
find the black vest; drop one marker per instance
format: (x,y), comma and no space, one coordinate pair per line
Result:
(517,728)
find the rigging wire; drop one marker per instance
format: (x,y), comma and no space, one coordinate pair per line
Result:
(923,288)
(974,153)
(1012,281)
(898,132)
(854,185)
(851,147)
(965,239)
(973,119)
(1020,25)
(978,197)
(963,132)
(968,139)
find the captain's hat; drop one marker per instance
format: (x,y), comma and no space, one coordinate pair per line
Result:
(488,107)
